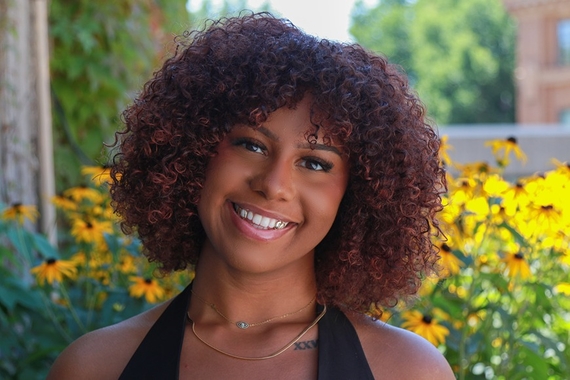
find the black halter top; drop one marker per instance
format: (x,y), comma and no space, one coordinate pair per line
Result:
(158,356)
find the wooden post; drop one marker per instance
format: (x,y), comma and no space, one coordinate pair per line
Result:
(45,145)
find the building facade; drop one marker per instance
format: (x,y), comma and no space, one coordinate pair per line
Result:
(543,60)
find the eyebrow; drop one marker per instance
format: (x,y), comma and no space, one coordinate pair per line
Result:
(306,145)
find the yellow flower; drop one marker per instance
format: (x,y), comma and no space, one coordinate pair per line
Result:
(503,148)
(563,288)
(444,147)
(98,174)
(378,312)
(516,196)
(546,217)
(90,231)
(64,203)
(425,325)
(478,169)
(517,266)
(53,270)
(20,213)
(146,287)
(80,193)
(462,190)
(449,263)
(127,264)
(562,167)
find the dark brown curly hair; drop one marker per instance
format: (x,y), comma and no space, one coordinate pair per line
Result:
(239,70)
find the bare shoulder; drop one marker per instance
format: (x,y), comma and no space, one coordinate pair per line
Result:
(103,353)
(395,353)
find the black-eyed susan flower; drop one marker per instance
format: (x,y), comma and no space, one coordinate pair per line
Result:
(147,287)
(90,231)
(20,213)
(83,192)
(502,149)
(53,270)
(546,216)
(64,203)
(563,287)
(444,148)
(449,263)
(127,264)
(562,168)
(425,325)
(463,189)
(516,266)
(378,312)
(516,196)
(98,174)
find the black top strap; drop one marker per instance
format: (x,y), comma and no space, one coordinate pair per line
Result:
(158,357)
(340,353)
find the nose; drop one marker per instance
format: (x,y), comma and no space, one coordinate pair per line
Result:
(274,181)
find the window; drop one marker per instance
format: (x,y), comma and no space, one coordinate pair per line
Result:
(564,42)
(565,116)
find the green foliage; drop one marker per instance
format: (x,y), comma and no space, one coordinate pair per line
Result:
(459,54)
(102,53)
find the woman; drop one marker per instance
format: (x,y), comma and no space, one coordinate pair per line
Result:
(299,177)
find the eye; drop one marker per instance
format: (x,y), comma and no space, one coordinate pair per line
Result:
(250,144)
(316,164)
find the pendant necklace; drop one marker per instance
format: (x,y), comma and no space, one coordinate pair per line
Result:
(276,353)
(245,325)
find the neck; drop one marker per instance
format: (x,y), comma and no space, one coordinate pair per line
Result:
(252,297)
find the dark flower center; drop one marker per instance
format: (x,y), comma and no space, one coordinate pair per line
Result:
(427,319)
(148,281)
(445,248)
(519,256)
(50,261)
(512,139)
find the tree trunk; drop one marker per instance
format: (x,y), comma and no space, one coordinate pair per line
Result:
(18,159)
(26,169)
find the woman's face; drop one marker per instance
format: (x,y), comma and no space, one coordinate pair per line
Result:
(269,196)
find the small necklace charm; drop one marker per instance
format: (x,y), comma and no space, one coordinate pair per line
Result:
(242,325)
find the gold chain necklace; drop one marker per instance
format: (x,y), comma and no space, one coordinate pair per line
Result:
(244,325)
(276,353)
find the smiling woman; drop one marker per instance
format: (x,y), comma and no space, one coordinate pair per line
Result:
(298,177)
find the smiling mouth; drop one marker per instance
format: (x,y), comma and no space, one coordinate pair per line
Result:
(260,221)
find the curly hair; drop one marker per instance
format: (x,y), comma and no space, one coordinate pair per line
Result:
(239,70)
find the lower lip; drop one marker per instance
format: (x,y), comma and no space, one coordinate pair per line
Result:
(250,231)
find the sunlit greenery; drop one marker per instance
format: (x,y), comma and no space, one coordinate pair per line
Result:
(460,55)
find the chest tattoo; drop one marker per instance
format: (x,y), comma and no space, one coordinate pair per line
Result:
(306,345)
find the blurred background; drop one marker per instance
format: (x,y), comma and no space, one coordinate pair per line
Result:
(494,75)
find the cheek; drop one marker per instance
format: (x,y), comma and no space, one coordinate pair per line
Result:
(325,201)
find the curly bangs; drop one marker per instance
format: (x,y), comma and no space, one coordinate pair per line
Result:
(238,71)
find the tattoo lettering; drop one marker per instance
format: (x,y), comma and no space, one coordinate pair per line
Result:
(306,345)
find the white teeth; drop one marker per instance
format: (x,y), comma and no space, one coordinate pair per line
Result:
(264,222)
(259,220)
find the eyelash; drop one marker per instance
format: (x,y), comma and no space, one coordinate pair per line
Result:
(248,143)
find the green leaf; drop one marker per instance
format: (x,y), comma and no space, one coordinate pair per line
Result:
(44,247)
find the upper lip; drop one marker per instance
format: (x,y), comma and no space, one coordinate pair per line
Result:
(260,211)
